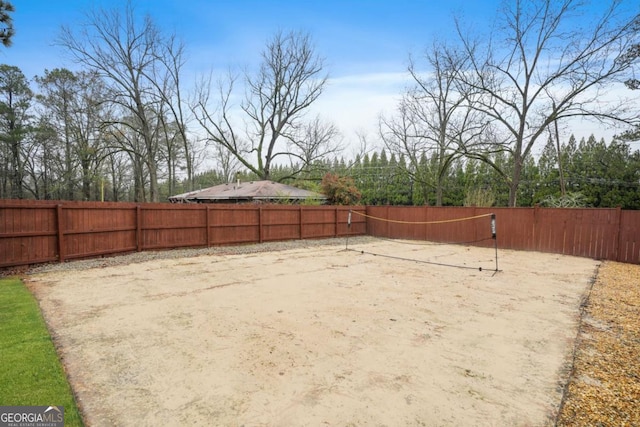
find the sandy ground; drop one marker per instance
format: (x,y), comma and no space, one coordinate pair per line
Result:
(320,336)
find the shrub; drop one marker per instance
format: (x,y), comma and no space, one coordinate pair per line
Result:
(340,190)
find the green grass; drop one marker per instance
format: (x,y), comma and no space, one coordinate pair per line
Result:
(30,372)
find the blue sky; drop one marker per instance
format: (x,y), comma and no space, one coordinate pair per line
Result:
(352,34)
(366,44)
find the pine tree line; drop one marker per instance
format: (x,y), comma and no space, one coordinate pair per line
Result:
(596,174)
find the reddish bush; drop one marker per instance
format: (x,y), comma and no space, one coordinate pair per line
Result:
(340,190)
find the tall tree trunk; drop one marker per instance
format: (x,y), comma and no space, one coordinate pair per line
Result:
(86,179)
(14,143)
(514,183)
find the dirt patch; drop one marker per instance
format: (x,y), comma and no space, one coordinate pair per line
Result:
(321,336)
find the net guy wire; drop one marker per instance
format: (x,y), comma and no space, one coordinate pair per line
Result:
(421,222)
(493,235)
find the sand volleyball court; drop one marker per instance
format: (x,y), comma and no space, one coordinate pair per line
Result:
(319,335)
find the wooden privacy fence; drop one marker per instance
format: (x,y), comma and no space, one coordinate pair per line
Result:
(33,232)
(610,234)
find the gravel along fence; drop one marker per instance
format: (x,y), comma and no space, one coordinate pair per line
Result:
(144,256)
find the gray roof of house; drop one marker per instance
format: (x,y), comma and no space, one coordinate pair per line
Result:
(247,191)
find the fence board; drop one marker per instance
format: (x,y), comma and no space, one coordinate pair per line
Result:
(629,237)
(433,224)
(168,226)
(610,234)
(28,232)
(94,230)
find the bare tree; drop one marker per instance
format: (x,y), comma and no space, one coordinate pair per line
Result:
(317,140)
(289,80)
(122,137)
(633,83)
(228,164)
(41,177)
(432,120)
(125,51)
(117,166)
(57,89)
(401,135)
(171,147)
(73,105)
(540,67)
(167,80)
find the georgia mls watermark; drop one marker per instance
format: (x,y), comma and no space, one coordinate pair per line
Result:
(31,416)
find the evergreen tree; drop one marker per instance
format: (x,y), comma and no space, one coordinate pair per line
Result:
(530,178)
(586,170)
(548,184)
(15,103)
(423,182)
(567,156)
(402,183)
(6,23)
(454,190)
(620,185)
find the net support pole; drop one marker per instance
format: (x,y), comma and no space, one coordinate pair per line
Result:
(348,230)
(494,237)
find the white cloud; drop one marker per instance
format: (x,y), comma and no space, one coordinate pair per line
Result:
(354,102)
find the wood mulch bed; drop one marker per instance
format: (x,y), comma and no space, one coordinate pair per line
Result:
(604,387)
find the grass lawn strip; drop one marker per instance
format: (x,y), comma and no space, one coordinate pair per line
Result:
(30,373)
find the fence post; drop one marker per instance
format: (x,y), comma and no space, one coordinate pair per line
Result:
(366,220)
(336,226)
(616,239)
(300,221)
(60,233)
(138,229)
(260,224)
(208,225)
(388,223)
(534,242)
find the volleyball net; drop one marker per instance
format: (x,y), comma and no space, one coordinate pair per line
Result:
(413,239)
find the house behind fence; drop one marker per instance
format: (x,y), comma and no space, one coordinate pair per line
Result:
(250,192)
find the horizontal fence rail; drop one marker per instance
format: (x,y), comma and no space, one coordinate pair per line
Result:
(33,232)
